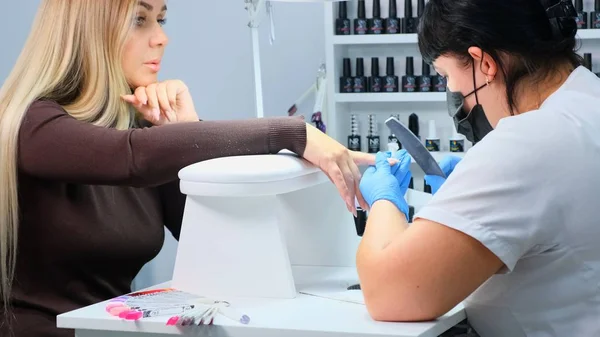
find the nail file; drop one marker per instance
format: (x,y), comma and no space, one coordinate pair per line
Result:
(414,147)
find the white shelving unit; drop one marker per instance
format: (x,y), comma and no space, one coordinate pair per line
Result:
(342,105)
(428,106)
(401,97)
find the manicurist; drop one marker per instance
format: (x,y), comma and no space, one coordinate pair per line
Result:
(513,232)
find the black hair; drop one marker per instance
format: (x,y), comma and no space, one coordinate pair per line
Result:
(520,28)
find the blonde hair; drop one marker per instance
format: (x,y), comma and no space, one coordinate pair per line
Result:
(72,56)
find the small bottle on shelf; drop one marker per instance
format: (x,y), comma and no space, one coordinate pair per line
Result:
(582,17)
(342,24)
(354,143)
(595,16)
(432,143)
(360,81)
(438,83)
(392,23)
(424,81)
(360,23)
(409,81)
(375,81)
(373,141)
(391,80)
(346,81)
(413,125)
(409,23)
(376,23)
(457,142)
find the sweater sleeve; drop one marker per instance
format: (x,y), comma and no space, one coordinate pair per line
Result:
(53,145)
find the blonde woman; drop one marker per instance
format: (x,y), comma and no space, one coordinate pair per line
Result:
(86,189)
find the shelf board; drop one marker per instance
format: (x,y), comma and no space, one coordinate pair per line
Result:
(588,34)
(391,97)
(374,39)
(583,34)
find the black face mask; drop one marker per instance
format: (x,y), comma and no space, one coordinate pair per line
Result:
(473,125)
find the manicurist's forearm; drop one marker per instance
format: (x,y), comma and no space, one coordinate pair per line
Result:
(385,223)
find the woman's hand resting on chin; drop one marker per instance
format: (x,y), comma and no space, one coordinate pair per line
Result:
(164,102)
(339,164)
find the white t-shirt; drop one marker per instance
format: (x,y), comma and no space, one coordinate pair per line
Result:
(530,192)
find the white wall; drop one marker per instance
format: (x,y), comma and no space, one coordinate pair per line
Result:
(210,49)
(14,28)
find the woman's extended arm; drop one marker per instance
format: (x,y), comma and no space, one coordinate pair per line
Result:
(53,145)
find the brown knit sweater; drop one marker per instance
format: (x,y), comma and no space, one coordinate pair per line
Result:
(94,202)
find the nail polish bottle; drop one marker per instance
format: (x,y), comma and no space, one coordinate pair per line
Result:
(432,143)
(376,23)
(360,23)
(342,24)
(354,137)
(438,83)
(409,81)
(360,81)
(346,81)
(426,188)
(373,141)
(391,80)
(595,16)
(582,17)
(413,124)
(420,9)
(408,21)
(587,61)
(360,221)
(392,23)
(457,142)
(424,81)
(375,81)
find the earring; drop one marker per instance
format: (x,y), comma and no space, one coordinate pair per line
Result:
(487,81)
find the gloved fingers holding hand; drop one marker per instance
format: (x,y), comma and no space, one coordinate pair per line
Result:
(402,170)
(378,183)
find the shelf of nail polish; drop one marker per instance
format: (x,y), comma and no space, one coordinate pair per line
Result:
(409,83)
(376,23)
(393,27)
(367,136)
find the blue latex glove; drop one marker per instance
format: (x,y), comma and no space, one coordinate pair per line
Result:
(384,182)
(402,170)
(447,165)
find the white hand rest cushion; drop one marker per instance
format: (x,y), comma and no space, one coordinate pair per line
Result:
(250,175)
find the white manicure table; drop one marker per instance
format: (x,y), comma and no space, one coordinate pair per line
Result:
(271,235)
